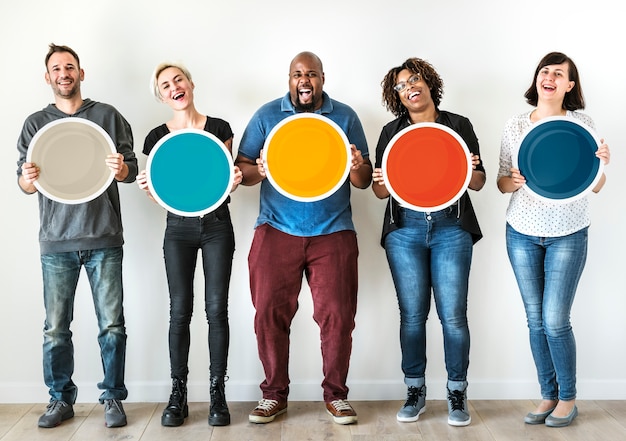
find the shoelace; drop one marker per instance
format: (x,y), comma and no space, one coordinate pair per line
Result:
(113,404)
(414,395)
(456,398)
(178,389)
(55,405)
(267,405)
(177,395)
(341,405)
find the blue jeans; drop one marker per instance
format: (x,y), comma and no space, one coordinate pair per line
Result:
(60,278)
(213,236)
(547,270)
(430,251)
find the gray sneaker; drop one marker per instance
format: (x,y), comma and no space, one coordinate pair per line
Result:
(458,413)
(114,415)
(415,405)
(56,412)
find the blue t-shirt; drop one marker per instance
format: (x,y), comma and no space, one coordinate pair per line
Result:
(305,219)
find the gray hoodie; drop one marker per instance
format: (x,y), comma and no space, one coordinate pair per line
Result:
(90,225)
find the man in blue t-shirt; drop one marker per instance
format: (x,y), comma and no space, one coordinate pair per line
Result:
(293,238)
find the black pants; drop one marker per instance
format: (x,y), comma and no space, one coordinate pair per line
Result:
(184,236)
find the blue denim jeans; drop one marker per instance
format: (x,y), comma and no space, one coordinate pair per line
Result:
(213,236)
(547,270)
(431,252)
(60,278)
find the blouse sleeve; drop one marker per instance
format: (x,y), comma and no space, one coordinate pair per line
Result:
(509,136)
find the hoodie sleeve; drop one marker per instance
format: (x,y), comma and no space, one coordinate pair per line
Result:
(112,121)
(124,142)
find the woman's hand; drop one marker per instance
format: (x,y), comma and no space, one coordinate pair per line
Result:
(379,186)
(604,153)
(377,176)
(142,182)
(237,179)
(510,184)
(475,161)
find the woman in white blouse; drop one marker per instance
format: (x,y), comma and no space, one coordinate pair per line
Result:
(547,243)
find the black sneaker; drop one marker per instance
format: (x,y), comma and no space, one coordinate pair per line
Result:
(114,415)
(56,412)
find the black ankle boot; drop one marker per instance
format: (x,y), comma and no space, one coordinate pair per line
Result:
(218,413)
(176,411)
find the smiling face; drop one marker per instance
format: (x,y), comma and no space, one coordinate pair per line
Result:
(64,75)
(306,81)
(416,95)
(553,82)
(175,89)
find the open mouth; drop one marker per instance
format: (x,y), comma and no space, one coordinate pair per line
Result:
(305,94)
(413,95)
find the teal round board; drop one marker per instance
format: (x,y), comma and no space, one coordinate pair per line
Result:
(190,172)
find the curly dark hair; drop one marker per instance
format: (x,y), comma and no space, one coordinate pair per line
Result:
(573,99)
(391,99)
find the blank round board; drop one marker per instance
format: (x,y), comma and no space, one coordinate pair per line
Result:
(71,153)
(307,157)
(557,156)
(190,172)
(427,167)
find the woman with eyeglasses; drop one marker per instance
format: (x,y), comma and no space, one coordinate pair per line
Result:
(213,235)
(547,242)
(429,252)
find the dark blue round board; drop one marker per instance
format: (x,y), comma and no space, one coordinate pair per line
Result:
(557,158)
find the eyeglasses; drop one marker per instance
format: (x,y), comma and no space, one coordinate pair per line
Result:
(412,80)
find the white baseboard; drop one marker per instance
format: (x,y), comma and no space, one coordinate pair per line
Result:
(359,391)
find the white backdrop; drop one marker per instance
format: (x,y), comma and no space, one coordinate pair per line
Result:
(239,53)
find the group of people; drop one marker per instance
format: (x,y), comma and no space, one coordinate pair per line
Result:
(429,253)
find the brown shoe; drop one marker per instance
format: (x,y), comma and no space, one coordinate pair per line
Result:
(341,411)
(267,410)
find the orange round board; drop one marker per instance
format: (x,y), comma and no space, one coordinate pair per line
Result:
(427,166)
(307,157)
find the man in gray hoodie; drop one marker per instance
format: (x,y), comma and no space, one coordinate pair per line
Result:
(85,234)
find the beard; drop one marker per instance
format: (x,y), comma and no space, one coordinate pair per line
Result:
(64,93)
(304,107)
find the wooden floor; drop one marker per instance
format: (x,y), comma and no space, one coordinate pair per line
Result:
(492,420)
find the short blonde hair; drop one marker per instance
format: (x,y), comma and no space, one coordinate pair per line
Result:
(154,86)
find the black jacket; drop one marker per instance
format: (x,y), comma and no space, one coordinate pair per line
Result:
(463,127)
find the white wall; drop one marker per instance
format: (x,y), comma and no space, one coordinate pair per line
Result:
(239,52)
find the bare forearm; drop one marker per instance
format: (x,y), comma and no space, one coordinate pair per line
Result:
(362,177)
(477,180)
(250,171)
